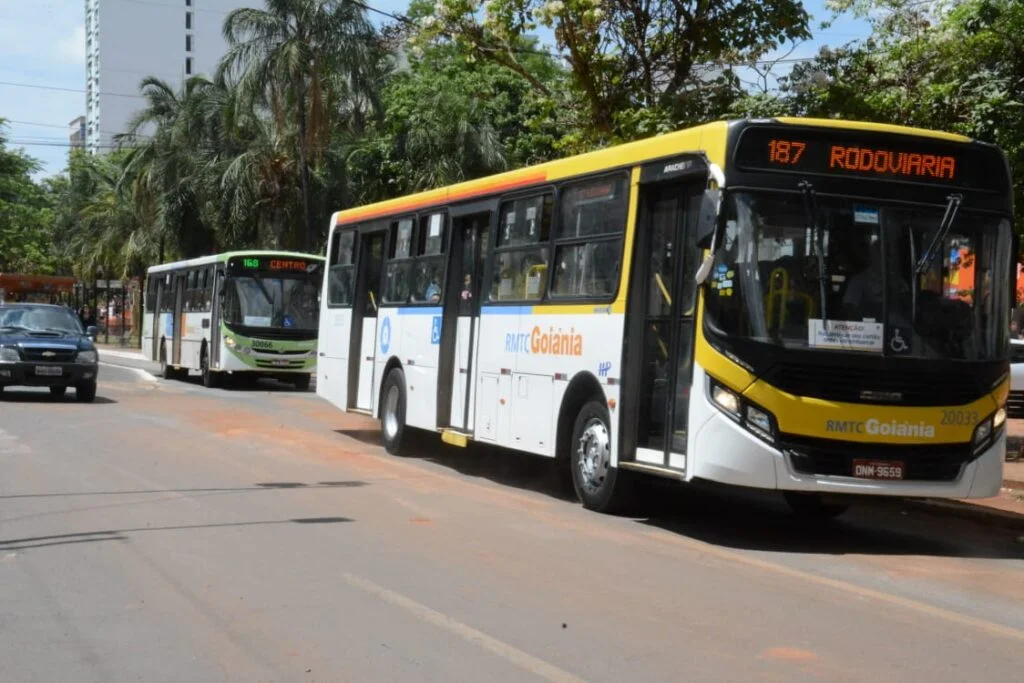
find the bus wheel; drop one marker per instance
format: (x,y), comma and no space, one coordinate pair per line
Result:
(301,382)
(392,411)
(210,378)
(811,505)
(599,486)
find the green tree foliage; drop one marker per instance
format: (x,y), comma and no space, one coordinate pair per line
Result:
(26,215)
(636,67)
(448,120)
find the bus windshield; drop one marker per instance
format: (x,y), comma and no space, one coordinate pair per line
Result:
(289,303)
(879,295)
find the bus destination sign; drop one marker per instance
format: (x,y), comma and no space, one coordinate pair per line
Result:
(866,155)
(272,264)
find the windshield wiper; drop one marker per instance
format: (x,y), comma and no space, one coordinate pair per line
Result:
(952,205)
(263,289)
(811,213)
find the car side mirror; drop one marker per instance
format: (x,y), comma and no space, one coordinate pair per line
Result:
(92,332)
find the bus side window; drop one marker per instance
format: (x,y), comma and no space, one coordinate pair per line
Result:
(341,269)
(588,246)
(429,268)
(522,253)
(151,286)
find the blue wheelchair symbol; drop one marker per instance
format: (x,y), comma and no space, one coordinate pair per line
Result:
(435,330)
(385,335)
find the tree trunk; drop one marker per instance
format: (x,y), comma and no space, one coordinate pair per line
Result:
(307,208)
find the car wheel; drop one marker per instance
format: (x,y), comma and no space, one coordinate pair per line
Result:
(392,411)
(85,392)
(811,505)
(599,486)
(58,392)
(211,379)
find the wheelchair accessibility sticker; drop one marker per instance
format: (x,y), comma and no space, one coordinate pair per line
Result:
(385,335)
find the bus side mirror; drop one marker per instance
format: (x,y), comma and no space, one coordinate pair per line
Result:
(707,231)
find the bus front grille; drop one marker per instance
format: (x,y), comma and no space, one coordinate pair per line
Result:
(861,385)
(939,462)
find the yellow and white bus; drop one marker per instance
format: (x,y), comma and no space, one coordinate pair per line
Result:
(244,314)
(812,306)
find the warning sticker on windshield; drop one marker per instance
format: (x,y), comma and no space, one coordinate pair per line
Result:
(851,335)
(865,214)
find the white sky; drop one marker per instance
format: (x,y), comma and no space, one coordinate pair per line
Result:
(42,49)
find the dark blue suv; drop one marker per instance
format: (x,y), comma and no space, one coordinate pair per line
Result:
(45,346)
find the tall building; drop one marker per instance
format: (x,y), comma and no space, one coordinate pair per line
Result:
(76,133)
(128,40)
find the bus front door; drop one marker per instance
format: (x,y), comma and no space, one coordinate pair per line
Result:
(656,391)
(179,318)
(461,320)
(362,352)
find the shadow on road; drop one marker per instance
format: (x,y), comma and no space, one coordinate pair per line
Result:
(30,395)
(31,542)
(264,486)
(734,517)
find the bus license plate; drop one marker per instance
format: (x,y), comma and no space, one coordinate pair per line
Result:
(878,469)
(280,362)
(49,370)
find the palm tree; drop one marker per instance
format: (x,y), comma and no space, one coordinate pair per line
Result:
(163,162)
(291,56)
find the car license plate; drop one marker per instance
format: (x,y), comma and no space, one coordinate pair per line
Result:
(878,469)
(49,370)
(280,362)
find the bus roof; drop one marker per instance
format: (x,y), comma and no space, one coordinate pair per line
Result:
(222,258)
(710,138)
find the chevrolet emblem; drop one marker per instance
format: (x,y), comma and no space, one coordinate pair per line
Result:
(48,354)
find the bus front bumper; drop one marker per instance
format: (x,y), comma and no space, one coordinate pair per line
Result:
(728,454)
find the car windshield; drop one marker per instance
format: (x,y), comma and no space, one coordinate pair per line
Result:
(869,290)
(40,319)
(289,303)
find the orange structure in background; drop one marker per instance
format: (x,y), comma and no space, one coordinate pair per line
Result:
(36,288)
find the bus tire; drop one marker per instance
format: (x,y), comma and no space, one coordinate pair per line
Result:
(211,379)
(392,411)
(812,506)
(598,485)
(301,382)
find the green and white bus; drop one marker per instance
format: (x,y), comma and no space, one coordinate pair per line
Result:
(242,313)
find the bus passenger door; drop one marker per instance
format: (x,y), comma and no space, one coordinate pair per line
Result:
(362,351)
(659,355)
(461,320)
(179,308)
(156,282)
(216,286)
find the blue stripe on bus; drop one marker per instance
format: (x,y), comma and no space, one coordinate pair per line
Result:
(420,310)
(506,310)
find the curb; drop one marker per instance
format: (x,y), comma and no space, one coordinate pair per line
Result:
(127,355)
(968,511)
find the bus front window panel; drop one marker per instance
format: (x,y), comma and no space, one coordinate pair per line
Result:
(766,282)
(950,309)
(339,285)
(271,303)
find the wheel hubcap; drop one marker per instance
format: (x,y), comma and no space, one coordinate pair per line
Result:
(391,411)
(593,454)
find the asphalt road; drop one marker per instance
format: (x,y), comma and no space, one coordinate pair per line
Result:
(172,533)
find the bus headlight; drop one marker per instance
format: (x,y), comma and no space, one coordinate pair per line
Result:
(725,399)
(753,417)
(987,430)
(230,342)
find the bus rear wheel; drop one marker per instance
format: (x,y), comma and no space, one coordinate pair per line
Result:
(812,506)
(392,411)
(599,486)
